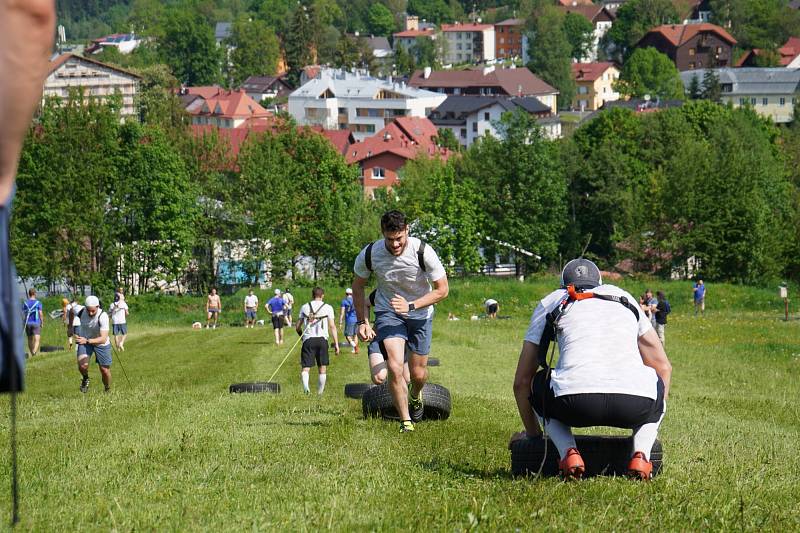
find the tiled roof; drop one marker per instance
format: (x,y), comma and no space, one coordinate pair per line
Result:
(511,22)
(470,104)
(590,71)
(510,79)
(340,139)
(226,104)
(406,137)
(58,61)
(466,27)
(752,80)
(590,11)
(343,84)
(788,52)
(677,34)
(415,33)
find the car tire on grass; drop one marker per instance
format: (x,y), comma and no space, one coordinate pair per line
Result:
(356,390)
(46,349)
(259,386)
(378,402)
(602,454)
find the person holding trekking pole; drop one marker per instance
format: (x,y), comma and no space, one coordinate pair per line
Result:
(315,324)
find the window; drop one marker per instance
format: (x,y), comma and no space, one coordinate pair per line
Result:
(691,51)
(794,101)
(502,40)
(765,101)
(458,46)
(742,101)
(378,173)
(782,101)
(475,127)
(753,101)
(719,49)
(463,133)
(486,116)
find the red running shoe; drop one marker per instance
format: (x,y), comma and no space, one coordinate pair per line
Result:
(572,466)
(640,468)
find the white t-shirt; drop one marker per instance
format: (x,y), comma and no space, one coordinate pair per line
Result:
(118,312)
(401,275)
(75,307)
(288,299)
(319,326)
(489,302)
(91,326)
(251,301)
(598,345)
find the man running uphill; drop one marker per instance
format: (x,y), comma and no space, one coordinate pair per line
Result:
(404,267)
(92,339)
(612,369)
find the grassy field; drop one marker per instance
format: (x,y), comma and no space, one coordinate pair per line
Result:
(173,451)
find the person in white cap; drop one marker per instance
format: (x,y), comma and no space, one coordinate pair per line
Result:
(612,369)
(277,306)
(348,320)
(92,339)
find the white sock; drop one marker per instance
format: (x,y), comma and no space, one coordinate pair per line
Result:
(645,436)
(322,379)
(560,434)
(304,377)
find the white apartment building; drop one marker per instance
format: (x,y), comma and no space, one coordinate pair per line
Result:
(355,101)
(772,92)
(99,80)
(468,43)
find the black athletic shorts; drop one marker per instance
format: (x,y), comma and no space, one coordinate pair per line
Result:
(277,322)
(596,409)
(314,349)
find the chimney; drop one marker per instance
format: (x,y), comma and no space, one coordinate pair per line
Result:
(426,73)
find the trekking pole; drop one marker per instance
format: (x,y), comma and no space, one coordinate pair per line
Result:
(14,484)
(124,373)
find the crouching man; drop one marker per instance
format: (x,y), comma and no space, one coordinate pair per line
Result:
(612,369)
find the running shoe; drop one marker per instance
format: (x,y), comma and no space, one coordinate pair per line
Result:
(572,466)
(415,406)
(85,384)
(639,467)
(406,426)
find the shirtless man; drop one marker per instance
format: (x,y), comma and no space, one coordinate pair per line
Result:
(213,308)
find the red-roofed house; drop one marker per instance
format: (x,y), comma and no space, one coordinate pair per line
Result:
(569,3)
(384,154)
(691,46)
(595,84)
(223,108)
(788,55)
(487,81)
(468,43)
(408,37)
(600,17)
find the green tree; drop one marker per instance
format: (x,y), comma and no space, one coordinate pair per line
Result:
(404,61)
(580,34)
(436,11)
(443,209)
(649,72)
(189,48)
(634,19)
(155,209)
(277,14)
(711,89)
(427,52)
(520,187)
(695,92)
(299,43)
(762,24)
(256,51)
(551,55)
(381,20)
(447,139)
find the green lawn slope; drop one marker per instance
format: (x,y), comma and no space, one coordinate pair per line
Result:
(173,451)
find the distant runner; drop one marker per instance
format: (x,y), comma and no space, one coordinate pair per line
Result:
(349,320)
(92,339)
(33,313)
(315,324)
(277,306)
(213,308)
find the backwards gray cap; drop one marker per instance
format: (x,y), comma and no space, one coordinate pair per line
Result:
(581,273)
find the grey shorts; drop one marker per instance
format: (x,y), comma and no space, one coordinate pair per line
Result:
(102,354)
(33,329)
(250,314)
(378,347)
(417,333)
(350,329)
(120,329)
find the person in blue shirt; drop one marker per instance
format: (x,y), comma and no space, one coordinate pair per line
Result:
(347,316)
(277,306)
(699,297)
(34,320)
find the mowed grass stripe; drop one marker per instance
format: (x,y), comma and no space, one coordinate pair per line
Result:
(175,451)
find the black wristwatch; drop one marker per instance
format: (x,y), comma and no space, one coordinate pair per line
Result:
(411,306)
